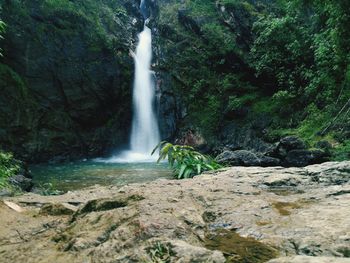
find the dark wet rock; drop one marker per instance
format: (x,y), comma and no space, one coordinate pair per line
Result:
(292,143)
(292,151)
(57,209)
(22,182)
(266,161)
(286,144)
(324,145)
(238,158)
(102,205)
(246,158)
(66,77)
(247,136)
(5,192)
(300,158)
(170,107)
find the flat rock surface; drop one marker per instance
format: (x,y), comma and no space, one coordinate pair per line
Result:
(292,214)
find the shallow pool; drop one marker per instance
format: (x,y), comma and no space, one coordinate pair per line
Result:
(81,174)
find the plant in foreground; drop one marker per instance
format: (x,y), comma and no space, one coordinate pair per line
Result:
(49,189)
(160,253)
(185,161)
(8,167)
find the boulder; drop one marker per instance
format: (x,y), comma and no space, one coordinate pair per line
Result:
(266,161)
(324,145)
(249,136)
(292,143)
(238,158)
(246,158)
(22,182)
(300,158)
(6,192)
(286,144)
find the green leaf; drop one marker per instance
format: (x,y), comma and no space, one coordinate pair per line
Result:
(159,145)
(199,168)
(188,172)
(184,159)
(210,166)
(182,170)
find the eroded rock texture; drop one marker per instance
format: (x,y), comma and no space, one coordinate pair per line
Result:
(283,212)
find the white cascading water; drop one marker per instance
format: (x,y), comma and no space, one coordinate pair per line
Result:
(145,131)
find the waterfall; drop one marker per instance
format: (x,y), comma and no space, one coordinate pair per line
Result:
(145,131)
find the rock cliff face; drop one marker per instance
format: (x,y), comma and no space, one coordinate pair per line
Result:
(66,76)
(243,214)
(202,50)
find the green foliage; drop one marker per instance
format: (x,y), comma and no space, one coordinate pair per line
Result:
(205,67)
(298,70)
(207,117)
(342,151)
(160,253)
(282,51)
(185,161)
(8,167)
(236,103)
(49,189)
(2,30)
(302,54)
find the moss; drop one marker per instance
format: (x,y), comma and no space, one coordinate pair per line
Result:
(263,223)
(238,249)
(284,208)
(102,205)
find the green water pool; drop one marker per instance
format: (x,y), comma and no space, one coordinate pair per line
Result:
(81,174)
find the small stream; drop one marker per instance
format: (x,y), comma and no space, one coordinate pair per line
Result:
(81,174)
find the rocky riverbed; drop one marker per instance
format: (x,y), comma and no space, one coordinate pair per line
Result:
(240,214)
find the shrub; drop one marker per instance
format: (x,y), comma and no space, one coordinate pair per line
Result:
(185,161)
(8,167)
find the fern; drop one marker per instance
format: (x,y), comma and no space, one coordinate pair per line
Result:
(185,161)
